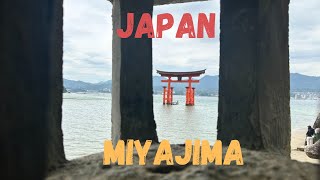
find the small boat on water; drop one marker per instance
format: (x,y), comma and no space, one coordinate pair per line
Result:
(175,103)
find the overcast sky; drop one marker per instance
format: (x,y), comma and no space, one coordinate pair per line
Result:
(88,40)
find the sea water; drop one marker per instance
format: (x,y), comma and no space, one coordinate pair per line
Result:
(86,120)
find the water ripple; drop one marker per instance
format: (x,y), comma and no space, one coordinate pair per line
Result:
(87,120)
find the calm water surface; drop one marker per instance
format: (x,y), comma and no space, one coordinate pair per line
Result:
(87,120)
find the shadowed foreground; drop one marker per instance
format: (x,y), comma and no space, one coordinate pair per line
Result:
(257,165)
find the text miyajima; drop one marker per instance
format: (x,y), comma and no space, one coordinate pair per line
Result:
(165,22)
(199,152)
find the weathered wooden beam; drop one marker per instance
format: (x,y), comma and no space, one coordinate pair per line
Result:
(166,2)
(254,98)
(132,101)
(31,87)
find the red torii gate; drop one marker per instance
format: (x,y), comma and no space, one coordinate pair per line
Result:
(168,91)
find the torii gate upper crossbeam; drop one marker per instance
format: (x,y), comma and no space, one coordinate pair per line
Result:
(165,2)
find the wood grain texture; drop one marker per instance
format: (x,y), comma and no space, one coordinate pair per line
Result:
(31,79)
(254,75)
(132,100)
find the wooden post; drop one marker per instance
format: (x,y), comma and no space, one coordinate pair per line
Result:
(164,94)
(171,95)
(254,98)
(169,101)
(187,96)
(31,88)
(189,93)
(132,101)
(193,92)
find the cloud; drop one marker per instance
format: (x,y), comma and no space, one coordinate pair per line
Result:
(88,40)
(170,53)
(304,37)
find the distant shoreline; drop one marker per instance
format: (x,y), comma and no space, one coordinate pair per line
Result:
(216,95)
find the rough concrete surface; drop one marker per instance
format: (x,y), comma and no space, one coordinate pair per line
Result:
(257,165)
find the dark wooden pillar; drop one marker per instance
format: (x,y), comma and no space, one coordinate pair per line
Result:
(56,155)
(254,75)
(30,74)
(132,101)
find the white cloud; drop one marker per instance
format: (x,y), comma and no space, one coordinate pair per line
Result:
(186,54)
(304,38)
(88,40)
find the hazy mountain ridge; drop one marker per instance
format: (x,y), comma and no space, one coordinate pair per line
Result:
(301,82)
(207,83)
(80,86)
